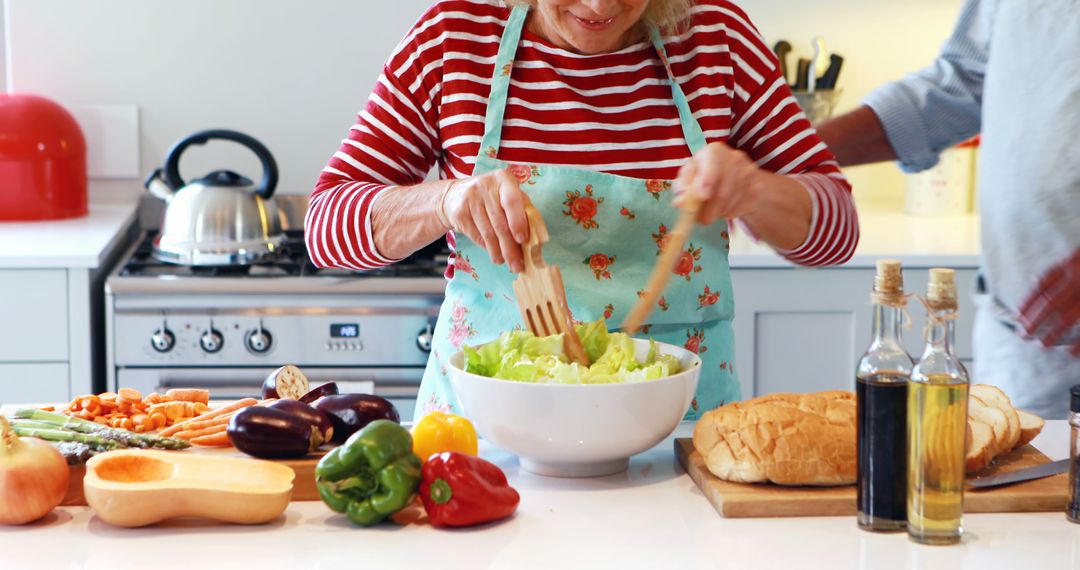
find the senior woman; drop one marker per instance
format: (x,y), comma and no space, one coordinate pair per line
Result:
(587,109)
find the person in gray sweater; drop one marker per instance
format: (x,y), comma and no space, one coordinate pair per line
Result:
(1010,71)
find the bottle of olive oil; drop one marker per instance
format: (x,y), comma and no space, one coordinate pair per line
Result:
(881,409)
(937,423)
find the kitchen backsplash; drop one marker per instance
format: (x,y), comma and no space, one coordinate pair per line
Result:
(294,74)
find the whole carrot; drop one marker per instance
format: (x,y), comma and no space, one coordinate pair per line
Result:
(194,433)
(175,428)
(218,439)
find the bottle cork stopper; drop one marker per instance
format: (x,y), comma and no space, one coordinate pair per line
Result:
(942,288)
(888,278)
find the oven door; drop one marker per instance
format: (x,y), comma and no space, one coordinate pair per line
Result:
(400,385)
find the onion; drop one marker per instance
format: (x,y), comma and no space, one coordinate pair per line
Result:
(33,477)
(328,389)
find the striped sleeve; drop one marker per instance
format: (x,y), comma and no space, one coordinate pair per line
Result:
(773,131)
(392,143)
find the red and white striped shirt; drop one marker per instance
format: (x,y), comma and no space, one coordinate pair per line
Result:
(610,112)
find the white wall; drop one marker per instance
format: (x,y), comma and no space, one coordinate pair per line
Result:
(3,50)
(293,74)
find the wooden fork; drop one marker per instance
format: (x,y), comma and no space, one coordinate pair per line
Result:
(664,266)
(541,295)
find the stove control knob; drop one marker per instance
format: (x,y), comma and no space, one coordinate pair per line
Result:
(423,340)
(163,340)
(258,341)
(211,341)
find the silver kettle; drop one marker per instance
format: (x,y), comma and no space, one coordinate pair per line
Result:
(221,218)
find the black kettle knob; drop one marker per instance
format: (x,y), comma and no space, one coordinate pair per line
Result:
(270,172)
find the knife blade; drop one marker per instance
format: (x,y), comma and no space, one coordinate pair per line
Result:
(1025,474)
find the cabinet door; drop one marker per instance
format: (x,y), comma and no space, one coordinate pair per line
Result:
(34,383)
(796,330)
(803,330)
(33,315)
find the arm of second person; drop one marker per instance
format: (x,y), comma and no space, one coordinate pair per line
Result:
(916,118)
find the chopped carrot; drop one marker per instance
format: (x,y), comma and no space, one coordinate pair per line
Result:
(190,395)
(129,394)
(158,420)
(47,408)
(102,420)
(217,439)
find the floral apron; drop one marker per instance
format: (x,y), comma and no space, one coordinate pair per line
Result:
(606,232)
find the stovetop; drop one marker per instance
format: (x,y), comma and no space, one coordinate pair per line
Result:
(291,261)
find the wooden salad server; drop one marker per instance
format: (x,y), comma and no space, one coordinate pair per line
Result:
(665,265)
(541,295)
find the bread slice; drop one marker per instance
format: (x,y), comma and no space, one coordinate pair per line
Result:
(993,418)
(787,439)
(1030,427)
(993,396)
(980,439)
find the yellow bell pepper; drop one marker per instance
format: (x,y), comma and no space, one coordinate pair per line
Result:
(438,432)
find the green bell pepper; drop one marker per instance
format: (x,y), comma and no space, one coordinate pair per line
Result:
(373,475)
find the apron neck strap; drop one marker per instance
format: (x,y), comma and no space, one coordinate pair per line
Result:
(695,139)
(504,65)
(500,81)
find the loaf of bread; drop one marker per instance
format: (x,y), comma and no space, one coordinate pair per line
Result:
(809,439)
(787,439)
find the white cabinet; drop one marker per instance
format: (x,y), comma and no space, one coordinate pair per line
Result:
(803,330)
(36,383)
(52,300)
(33,315)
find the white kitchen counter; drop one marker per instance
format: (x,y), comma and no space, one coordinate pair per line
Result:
(72,243)
(918,242)
(652,516)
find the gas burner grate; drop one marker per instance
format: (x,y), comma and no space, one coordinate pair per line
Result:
(291,261)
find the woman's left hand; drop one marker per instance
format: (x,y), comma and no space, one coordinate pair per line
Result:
(725,181)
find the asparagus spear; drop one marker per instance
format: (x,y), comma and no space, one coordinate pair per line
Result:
(95,442)
(128,438)
(74,452)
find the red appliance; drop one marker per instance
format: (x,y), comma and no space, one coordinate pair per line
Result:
(42,160)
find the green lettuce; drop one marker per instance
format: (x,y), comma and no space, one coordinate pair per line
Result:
(523,357)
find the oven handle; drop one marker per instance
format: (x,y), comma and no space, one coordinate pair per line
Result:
(348,381)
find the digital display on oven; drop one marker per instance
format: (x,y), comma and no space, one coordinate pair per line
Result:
(344,330)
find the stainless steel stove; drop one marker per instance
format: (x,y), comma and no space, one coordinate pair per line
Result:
(226,328)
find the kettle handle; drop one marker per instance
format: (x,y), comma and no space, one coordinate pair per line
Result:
(265,187)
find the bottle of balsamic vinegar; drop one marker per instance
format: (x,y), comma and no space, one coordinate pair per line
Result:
(881,409)
(937,423)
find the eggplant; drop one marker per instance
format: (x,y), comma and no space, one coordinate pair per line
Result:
(328,389)
(287,382)
(272,434)
(318,418)
(351,412)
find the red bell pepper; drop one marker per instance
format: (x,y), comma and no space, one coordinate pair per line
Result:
(462,490)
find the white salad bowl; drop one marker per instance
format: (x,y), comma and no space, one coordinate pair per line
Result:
(578,430)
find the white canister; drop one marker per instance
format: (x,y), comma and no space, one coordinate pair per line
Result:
(946,188)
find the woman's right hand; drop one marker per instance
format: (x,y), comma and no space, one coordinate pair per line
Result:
(490,210)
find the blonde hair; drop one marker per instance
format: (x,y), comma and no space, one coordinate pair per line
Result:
(670,16)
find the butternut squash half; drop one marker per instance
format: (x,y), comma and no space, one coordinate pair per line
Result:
(139,487)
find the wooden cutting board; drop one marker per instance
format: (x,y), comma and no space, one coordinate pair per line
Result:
(739,500)
(303,485)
